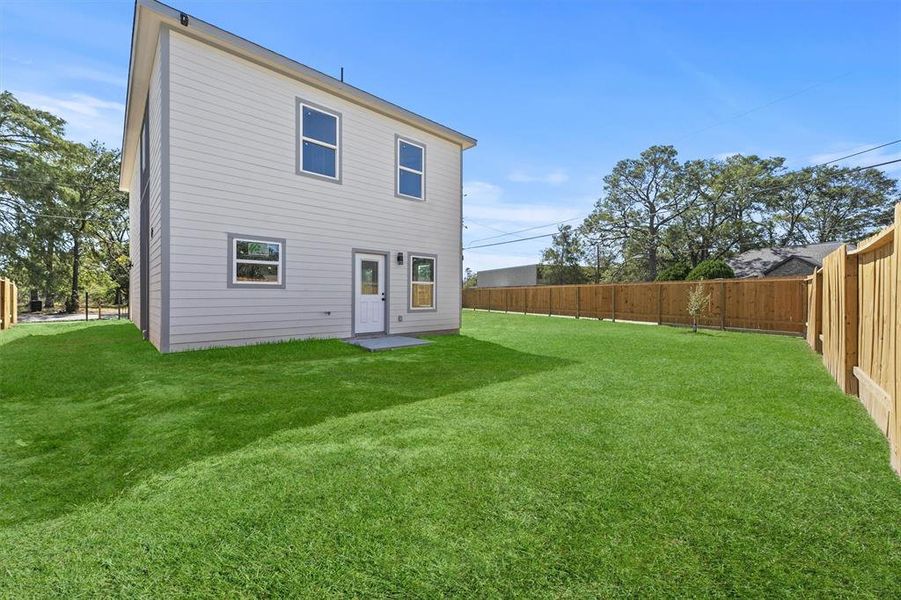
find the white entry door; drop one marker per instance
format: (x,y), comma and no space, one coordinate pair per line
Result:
(369,293)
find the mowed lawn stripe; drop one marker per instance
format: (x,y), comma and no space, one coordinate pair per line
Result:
(529,456)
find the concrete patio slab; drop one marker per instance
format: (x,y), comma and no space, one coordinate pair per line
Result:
(387,342)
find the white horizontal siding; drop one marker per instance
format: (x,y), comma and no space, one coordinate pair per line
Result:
(155,197)
(232,170)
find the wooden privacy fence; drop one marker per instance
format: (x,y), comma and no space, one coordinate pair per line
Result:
(771,304)
(9,310)
(853,306)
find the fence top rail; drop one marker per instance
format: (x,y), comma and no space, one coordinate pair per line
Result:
(798,278)
(883,238)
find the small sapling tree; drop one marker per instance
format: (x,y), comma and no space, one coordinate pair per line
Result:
(698,301)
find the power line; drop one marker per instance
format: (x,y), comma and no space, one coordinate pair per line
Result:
(761,106)
(534,237)
(859,153)
(491,237)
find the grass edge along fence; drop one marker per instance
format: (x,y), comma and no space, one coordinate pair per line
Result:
(776,305)
(9,308)
(853,303)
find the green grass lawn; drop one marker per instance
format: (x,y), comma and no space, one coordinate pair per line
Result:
(529,456)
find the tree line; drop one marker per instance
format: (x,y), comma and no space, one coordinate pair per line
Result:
(659,217)
(63,220)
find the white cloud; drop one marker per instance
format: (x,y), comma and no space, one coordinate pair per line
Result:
(555,177)
(725,155)
(96,75)
(485,201)
(87,117)
(479,192)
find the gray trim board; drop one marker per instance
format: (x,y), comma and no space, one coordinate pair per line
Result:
(230,271)
(298,155)
(353,289)
(164,190)
(397,140)
(460,253)
(410,309)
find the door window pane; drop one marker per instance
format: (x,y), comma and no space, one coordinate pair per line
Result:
(369,277)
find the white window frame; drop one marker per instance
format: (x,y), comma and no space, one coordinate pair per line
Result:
(303,138)
(236,261)
(432,283)
(399,168)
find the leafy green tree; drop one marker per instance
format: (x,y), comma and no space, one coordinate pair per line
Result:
(560,262)
(642,199)
(676,271)
(93,204)
(470,278)
(30,229)
(711,269)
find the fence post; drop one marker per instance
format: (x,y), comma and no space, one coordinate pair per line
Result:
(525,301)
(578,301)
(851,323)
(895,447)
(613,303)
(85,305)
(597,304)
(723,305)
(2,304)
(660,304)
(489,299)
(550,301)
(506,300)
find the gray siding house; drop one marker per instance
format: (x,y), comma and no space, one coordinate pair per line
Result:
(269,201)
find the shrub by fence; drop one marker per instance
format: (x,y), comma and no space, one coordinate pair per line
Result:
(8,304)
(853,306)
(771,304)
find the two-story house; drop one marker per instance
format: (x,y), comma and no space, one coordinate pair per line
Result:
(269,201)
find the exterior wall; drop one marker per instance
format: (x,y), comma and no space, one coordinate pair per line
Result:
(794,266)
(134,200)
(509,277)
(156,238)
(232,170)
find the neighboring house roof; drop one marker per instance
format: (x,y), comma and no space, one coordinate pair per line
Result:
(756,263)
(151,15)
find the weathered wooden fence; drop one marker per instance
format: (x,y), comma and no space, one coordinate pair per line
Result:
(8,304)
(854,323)
(771,304)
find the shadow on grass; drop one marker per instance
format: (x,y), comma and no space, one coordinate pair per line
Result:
(94,410)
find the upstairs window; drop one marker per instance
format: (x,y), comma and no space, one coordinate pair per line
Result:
(319,132)
(256,262)
(422,282)
(410,169)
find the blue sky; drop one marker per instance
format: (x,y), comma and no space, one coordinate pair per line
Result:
(555,93)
